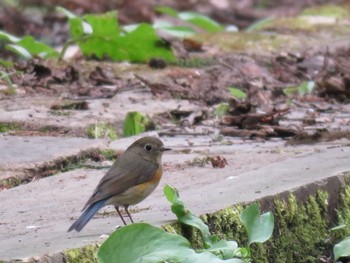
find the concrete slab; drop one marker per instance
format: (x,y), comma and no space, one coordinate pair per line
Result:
(34,218)
(18,153)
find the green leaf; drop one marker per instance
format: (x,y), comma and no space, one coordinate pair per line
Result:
(178,31)
(260,24)
(290,91)
(342,249)
(138,43)
(306,88)
(28,47)
(303,89)
(224,248)
(237,93)
(142,242)
(338,227)
(259,227)
(166,10)
(221,109)
(135,123)
(37,49)
(8,37)
(21,51)
(66,12)
(185,216)
(102,130)
(201,21)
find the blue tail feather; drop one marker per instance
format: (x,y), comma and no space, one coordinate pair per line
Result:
(86,216)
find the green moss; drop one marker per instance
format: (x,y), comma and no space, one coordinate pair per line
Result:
(86,254)
(10,91)
(109,154)
(10,182)
(60,113)
(294,238)
(101,130)
(8,127)
(343,214)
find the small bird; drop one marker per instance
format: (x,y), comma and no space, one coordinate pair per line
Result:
(132,177)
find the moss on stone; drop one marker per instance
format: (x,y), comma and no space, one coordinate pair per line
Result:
(102,130)
(301,231)
(86,254)
(343,215)
(8,127)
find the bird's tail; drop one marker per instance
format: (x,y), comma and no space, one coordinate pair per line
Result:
(86,216)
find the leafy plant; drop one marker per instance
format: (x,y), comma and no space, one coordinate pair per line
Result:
(192,18)
(259,227)
(303,89)
(341,249)
(221,109)
(237,93)
(99,36)
(142,242)
(27,46)
(134,123)
(102,130)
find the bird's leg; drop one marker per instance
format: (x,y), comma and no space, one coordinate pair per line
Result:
(120,215)
(127,211)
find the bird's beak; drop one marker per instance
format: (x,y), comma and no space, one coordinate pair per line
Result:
(163,149)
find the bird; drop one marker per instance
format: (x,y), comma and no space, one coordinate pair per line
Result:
(131,178)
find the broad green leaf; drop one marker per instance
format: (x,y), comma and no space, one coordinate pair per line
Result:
(135,123)
(342,249)
(106,41)
(27,47)
(144,243)
(104,25)
(167,11)
(185,216)
(259,227)
(37,49)
(224,248)
(201,21)
(8,37)
(142,44)
(21,51)
(237,93)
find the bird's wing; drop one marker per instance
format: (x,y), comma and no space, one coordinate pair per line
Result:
(123,175)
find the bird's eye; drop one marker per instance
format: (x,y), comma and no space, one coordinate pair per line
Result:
(148,147)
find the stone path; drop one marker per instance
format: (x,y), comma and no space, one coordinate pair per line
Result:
(34,217)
